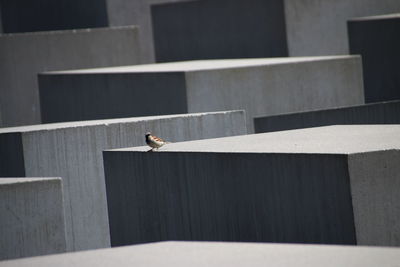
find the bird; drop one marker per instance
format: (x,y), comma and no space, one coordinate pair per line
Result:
(154,142)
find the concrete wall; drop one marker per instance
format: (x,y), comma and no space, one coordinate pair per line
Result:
(295,186)
(377,40)
(45,15)
(32,217)
(20,63)
(316,27)
(374,184)
(260,86)
(377,113)
(214,254)
(211,29)
(73,151)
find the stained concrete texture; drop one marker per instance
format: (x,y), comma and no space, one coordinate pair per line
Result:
(20,63)
(31,217)
(220,29)
(73,151)
(331,185)
(377,113)
(377,40)
(316,27)
(214,254)
(260,86)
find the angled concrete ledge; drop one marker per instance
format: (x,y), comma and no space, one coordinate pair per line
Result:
(56,50)
(307,19)
(214,254)
(377,113)
(377,40)
(32,217)
(73,151)
(260,86)
(332,185)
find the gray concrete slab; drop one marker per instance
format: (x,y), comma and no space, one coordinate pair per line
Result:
(331,185)
(377,40)
(73,151)
(20,63)
(316,27)
(216,254)
(31,217)
(260,86)
(208,29)
(377,113)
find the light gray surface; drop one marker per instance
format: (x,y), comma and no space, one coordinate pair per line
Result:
(31,217)
(316,27)
(55,50)
(73,151)
(215,254)
(128,12)
(337,139)
(375,183)
(260,86)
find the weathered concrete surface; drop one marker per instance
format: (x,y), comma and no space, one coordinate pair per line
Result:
(46,15)
(73,151)
(20,63)
(377,113)
(211,29)
(260,86)
(316,27)
(214,254)
(289,186)
(377,40)
(31,217)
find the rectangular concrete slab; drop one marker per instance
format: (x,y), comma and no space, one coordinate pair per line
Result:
(73,151)
(377,40)
(331,185)
(220,29)
(214,254)
(260,86)
(316,27)
(377,113)
(20,63)
(31,217)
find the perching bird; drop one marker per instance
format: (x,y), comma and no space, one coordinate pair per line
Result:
(154,142)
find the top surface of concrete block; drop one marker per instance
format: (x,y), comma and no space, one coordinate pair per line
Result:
(338,139)
(76,124)
(379,17)
(200,65)
(221,254)
(13,180)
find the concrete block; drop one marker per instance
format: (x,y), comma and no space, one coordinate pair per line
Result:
(20,63)
(31,217)
(210,29)
(214,254)
(377,40)
(260,86)
(316,27)
(376,113)
(330,185)
(73,151)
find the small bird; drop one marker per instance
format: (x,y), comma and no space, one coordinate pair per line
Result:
(154,142)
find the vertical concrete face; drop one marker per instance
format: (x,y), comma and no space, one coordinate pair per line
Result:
(219,29)
(316,27)
(20,64)
(126,12)
(374,185)
(377,40)
(260,86)
(317,185)
(377,113)
(73,151)
(32,217)
(45,15)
